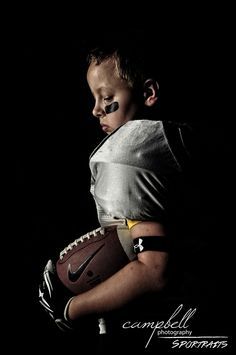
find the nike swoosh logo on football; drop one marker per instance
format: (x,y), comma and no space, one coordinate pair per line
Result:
(75,275)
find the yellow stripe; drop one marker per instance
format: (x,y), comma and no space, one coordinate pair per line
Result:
(132,223)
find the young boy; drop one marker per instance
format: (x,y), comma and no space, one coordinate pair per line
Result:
(134,171)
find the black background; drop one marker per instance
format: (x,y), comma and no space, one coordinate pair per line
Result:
(54,133)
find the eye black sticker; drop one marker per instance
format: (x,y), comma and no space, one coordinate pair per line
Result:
(112,107)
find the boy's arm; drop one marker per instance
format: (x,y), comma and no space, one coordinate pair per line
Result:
(145,274)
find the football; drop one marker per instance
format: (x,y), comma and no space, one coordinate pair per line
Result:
(94,257)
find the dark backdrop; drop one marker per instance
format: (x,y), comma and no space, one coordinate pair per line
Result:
(54,135)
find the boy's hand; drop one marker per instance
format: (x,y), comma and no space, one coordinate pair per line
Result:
(55,297)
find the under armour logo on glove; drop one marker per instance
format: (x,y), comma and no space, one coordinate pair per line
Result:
(138,246)
(44,303)
(55,298)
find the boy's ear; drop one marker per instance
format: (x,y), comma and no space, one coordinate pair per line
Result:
(151,89)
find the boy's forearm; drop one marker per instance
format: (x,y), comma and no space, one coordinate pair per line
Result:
(138,277)
(133,280)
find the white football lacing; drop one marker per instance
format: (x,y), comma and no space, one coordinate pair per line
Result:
(81,239)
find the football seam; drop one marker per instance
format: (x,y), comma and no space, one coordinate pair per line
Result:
(78,248)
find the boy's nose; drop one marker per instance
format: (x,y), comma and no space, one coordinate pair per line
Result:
(98,111)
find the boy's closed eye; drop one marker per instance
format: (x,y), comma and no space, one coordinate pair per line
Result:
(108,98)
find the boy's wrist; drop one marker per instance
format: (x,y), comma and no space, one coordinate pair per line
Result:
(66,310)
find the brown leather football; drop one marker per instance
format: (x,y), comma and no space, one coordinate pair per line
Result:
(94,257)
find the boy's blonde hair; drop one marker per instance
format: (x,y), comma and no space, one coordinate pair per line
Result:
(132,59)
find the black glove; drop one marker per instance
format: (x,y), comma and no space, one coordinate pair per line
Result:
(55,297)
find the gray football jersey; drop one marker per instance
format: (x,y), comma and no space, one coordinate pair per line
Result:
(132,170)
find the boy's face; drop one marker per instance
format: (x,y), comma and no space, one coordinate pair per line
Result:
(114,99)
